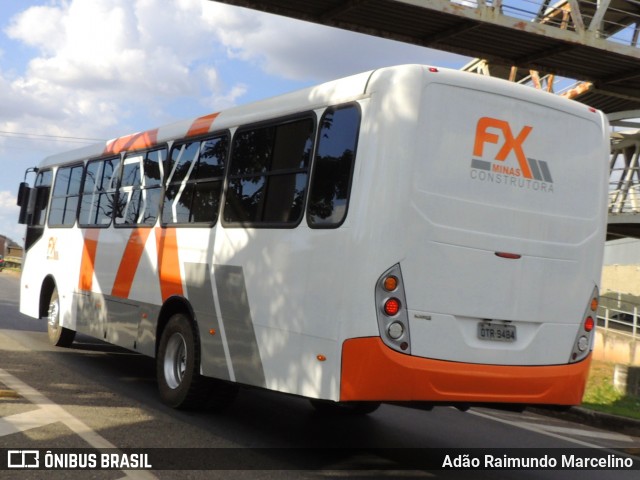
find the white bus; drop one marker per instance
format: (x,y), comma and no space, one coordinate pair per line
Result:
(409,234)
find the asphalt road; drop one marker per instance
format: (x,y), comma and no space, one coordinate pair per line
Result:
(97,396)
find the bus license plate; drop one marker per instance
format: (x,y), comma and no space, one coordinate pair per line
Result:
(496,332)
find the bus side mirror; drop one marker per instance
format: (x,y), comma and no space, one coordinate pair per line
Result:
(24,192)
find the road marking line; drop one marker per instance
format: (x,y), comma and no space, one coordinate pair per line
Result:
(619,437)
(22,422)
(542,431)
(55,414)
(533,428)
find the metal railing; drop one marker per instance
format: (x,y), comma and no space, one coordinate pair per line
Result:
(624,191)
(616,20)
(624,178)
(619,321)
(619,315)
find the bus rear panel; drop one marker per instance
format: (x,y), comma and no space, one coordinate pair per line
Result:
(500,251)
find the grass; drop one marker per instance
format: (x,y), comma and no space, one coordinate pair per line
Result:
(600,394)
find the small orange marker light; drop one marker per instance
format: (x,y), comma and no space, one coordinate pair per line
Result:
(594,304)
(390,283)
(212,331)
(321,358)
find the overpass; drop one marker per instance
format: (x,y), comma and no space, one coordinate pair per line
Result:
(592,41)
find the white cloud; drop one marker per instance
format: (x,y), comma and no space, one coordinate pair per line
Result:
(305,51)
(101,61)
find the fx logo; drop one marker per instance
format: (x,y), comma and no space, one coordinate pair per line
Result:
(23,459)
(499,132)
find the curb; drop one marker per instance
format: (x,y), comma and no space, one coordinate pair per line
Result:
(605,421)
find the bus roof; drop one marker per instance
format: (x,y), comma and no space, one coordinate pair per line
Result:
(333,92)
(346,89)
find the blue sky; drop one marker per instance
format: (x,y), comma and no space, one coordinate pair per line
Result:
(98,69)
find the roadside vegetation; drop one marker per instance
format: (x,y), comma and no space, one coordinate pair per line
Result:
(603,397)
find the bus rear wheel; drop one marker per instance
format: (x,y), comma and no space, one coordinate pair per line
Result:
(178,370)
(59,336)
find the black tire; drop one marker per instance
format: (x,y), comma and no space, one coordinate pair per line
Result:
(344,408)
(178,366)
(58,336)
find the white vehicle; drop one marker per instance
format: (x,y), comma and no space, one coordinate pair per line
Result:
(406,234)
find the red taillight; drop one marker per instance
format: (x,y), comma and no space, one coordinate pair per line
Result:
(392,307)
(433,70)
(589,324)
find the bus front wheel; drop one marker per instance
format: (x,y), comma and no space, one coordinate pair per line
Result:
(178,364)
(59,336)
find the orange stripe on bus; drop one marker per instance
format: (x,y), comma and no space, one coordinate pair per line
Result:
(134,141)
(129,263)
(202,125)
(373,371)
(87,264)
(168,263)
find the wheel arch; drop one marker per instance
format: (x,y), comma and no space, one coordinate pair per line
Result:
(47,288)
(171,306)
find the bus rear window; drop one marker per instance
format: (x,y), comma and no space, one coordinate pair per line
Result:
(333,167)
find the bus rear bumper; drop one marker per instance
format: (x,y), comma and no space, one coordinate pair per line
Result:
(372,371)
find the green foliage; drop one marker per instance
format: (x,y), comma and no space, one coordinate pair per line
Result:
(601,395)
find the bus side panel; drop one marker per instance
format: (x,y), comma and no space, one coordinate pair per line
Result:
(54,255)
(278,328)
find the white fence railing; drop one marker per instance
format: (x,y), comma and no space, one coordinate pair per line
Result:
(620,321)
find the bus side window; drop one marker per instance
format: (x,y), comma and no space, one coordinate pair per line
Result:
(98,194)
(139,192)
(43,186)
(333,167)
(66,192)
(194,184)
(268,174)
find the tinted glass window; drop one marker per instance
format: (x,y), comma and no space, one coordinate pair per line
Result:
(195,179)
(139,192)
(99,192)
(43,184)
(333,167)
(268,174)
(66,192)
